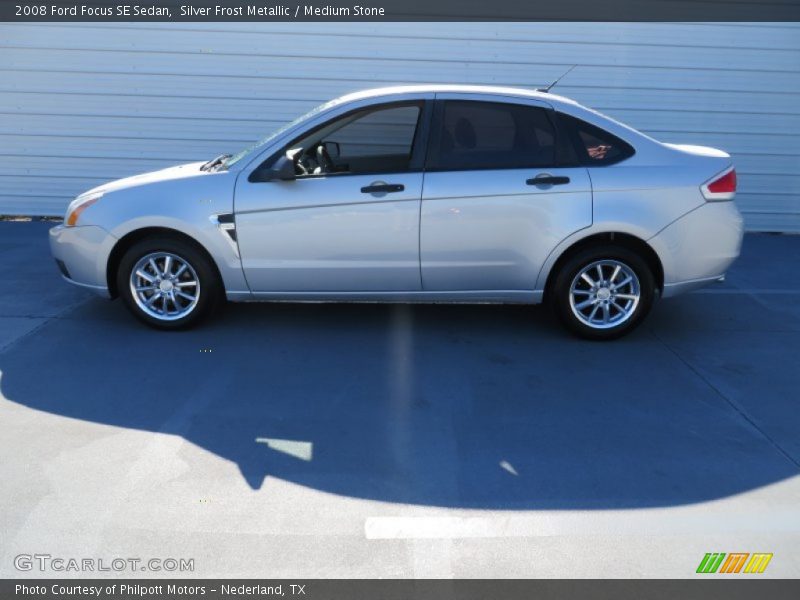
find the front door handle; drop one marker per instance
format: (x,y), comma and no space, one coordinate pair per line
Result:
(548,180)
(383,188)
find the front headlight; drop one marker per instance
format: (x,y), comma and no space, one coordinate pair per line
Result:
(77,206)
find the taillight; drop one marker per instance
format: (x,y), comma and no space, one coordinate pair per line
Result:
(721,187)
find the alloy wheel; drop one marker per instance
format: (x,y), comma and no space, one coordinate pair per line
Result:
(165,286)
(604,294)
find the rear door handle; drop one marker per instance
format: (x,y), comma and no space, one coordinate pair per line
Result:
(383,188)
(548,180)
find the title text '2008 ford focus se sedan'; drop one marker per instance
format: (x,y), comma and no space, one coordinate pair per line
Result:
(417,194)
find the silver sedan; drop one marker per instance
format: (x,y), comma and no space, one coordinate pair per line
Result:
(417,194)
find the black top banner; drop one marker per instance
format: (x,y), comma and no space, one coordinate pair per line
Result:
(401,10)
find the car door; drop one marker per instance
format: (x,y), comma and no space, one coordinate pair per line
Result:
(349,226)
(502,189)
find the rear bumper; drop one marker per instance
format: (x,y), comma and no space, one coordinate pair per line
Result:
(675,289)
(698,248)
(81,254)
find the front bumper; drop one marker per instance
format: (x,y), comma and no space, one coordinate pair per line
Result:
(698,248)
(81,254)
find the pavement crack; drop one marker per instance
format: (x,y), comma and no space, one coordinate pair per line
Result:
(734,405)
(47,321)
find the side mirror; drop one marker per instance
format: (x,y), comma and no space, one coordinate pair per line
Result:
(333,148)
(282,170)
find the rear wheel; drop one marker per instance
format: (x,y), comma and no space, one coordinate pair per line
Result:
(603,293)
(168,283)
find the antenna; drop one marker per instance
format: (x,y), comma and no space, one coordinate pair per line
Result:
(549,87)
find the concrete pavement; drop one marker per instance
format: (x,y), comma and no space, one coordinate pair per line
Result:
(399,441)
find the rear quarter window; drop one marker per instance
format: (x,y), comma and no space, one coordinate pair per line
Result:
(595,146)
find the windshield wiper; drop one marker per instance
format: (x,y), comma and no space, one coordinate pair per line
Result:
(215,162)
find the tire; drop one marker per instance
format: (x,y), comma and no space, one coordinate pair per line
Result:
(173,302)
(603,312)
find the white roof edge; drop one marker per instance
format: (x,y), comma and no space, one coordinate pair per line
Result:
(467,89)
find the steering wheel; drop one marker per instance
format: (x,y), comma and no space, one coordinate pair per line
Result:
(324,159)
(302,165)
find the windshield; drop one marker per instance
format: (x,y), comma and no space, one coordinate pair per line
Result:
(262,142)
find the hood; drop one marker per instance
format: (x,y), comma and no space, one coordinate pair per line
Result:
(170,173)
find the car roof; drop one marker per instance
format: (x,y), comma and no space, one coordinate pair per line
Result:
(465,89)
(563,103)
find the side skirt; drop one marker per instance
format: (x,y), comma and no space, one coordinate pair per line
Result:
(458,297)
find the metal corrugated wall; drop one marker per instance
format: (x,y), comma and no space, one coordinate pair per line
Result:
(84,103)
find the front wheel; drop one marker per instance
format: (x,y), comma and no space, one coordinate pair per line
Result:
(168,283)
(603,293)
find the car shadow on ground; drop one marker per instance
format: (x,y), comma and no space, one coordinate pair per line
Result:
(457,406)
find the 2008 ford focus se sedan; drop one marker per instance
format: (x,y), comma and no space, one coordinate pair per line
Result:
(417,194)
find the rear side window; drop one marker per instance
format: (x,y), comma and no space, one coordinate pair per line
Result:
(488,135)
(595,146)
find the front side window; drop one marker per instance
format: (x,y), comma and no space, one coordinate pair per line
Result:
(376,140)
(493,135)
(595,146)
(264,141)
